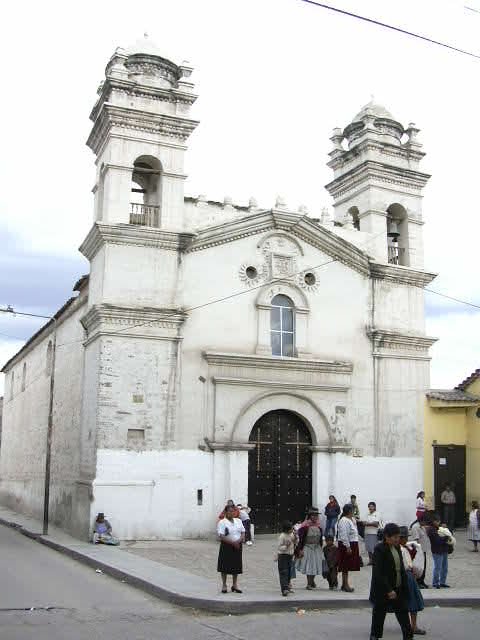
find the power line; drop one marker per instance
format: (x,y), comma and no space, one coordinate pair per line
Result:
(444,295)
(392,28)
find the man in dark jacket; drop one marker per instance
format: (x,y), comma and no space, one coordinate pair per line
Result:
(389,587)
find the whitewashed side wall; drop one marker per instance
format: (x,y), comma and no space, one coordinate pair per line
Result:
(153,494)
(22,458)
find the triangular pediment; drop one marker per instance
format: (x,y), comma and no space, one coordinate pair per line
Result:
(297,225)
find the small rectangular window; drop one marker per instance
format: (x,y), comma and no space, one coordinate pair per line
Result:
(136,436)
(199,497)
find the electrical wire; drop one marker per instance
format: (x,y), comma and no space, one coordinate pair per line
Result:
(385,25)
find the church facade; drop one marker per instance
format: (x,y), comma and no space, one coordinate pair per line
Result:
(220,351)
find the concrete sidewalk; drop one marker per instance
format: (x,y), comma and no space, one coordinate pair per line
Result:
(193,582)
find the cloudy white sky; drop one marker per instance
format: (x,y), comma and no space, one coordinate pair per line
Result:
(274,78)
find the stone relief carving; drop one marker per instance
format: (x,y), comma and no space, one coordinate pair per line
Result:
(253,274)
(338,425)
(278,259)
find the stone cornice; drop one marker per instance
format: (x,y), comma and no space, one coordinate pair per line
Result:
(229,446)
(334,448)
(403,152)
(117,85)
(70,307)
(251,382)
(129,234)
(401,275)
(105,316)
(276,363)
(372,170)
(295,224)
(396,340)
(169,126)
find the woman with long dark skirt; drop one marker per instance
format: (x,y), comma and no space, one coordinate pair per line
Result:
(348,553)
(231,534)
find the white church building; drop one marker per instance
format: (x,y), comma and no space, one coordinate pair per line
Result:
(220,351)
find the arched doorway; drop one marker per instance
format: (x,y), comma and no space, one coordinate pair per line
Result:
(279,470)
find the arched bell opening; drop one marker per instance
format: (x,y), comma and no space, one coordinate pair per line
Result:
(397,235)
(145,207)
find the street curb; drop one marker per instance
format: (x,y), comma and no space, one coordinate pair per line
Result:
(226,606)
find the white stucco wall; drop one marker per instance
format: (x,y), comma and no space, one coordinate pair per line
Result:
(22,457)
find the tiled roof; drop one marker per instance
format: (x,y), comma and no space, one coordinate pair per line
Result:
(452,395)
(468,381)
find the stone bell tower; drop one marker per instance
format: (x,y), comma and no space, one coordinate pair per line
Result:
(133,318)
(377,184)
(141,123)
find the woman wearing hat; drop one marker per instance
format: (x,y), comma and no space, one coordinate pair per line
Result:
(309,548)
(348,553)
(102,531)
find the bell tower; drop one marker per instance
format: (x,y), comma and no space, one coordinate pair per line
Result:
(378,186)
(141,125)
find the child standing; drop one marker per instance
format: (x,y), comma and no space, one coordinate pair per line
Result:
(330,552)
(286,548)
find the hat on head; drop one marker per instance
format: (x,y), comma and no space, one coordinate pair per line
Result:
(101,515)
(404,532)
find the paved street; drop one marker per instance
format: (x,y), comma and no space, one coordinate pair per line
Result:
(87,605)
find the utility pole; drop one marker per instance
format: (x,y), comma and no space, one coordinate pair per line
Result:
(48,448)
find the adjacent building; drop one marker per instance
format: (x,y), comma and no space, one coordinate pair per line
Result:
(452,444)
(218,350)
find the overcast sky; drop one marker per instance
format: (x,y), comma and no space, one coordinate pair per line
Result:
(274,77)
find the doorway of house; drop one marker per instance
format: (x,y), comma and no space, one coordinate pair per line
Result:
(450,468)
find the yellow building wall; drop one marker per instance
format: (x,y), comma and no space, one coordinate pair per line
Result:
(473,449)
(446,425)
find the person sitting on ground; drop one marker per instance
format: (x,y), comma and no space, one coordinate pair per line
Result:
(474,526)
(102,531)
(415,599)
(330,552)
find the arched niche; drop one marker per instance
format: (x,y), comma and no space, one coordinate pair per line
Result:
(312,416)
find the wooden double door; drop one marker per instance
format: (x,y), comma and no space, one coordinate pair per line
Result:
(279,470)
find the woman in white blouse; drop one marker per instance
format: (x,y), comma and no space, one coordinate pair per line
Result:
(373,523)
(421,505)
(348,553)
